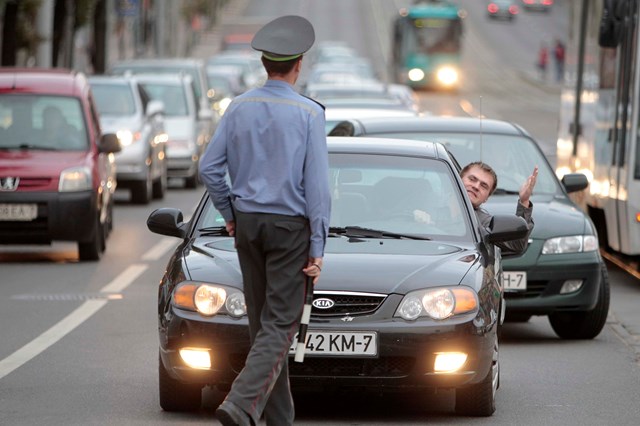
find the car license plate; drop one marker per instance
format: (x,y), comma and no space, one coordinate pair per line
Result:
(340,343)
(18,212)
(514,280)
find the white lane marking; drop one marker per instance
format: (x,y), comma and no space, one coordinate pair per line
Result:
(69,323)
(160,249)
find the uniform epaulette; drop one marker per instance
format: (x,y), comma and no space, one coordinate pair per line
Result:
(322,106)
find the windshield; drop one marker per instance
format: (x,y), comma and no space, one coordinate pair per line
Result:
(433,35)
(393,194)
(54,123)
(114,99)
(512,157)
(172,96)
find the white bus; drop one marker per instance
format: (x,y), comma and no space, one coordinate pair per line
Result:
(598,133)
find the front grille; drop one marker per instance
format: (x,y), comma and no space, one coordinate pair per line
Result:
(342,367)
(34,184)
(352,367)
(347,303)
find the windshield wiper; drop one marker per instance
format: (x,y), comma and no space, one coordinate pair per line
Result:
(506,191)
(214,231)
(357,231)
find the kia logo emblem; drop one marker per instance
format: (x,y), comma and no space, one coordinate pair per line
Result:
(9,183)
(323,303)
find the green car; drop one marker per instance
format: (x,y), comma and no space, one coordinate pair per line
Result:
(561,274)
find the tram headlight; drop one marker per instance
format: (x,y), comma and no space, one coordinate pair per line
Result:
(415,74)
(447,76)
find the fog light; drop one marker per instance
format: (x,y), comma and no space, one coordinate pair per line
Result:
(570,286)
(449,362)
(196,358)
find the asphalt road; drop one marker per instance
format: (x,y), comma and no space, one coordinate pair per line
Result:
(79,340)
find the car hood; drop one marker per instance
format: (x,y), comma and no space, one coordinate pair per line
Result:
(179,127)
(37,163)
(113,124)
(371,265)
(553,215)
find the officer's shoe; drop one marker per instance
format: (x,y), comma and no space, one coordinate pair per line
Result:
(230,414)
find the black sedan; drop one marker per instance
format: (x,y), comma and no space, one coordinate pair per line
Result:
(401,304)
(561,274)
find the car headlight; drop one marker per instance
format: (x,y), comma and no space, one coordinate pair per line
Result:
(437,303)
(447,76)
(75,179)
(209,299)
(127,137)
(570,244)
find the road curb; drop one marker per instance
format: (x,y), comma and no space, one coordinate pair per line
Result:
(629,339)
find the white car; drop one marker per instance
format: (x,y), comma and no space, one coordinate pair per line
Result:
(185,138)
(126,110)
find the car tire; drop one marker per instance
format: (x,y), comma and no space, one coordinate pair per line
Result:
(176,396)
(192,181)
(479,400)
(91,250)
(584,325)
(160,185)
(142,192)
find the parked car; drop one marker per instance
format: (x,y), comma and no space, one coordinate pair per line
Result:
(195,68)
(126,110)
(57,177)
(561,274)
(400,304)
(502,9)
(185,138)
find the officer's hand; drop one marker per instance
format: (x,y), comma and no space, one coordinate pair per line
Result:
(231,228)
(313,268)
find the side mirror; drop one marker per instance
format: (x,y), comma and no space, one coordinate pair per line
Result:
(167,221)
(507,228)
(154,107)
(109,142)
(574,182)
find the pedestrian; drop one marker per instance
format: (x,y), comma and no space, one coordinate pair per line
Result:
(558,55)
(272,143)
(480,181)
(543,61)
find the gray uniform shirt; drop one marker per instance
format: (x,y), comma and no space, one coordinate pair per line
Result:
(272,142)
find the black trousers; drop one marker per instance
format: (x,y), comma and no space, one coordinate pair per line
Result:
(273,250)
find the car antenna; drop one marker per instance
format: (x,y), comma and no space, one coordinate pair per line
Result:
(480,127)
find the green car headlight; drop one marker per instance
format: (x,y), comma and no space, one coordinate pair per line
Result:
(570,244)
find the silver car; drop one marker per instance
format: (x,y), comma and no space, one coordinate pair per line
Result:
(185,138)
(126,110)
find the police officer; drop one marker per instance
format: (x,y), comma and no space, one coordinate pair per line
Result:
(271,141)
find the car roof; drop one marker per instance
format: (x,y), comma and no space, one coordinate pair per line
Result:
(159,62)
(435,124)
(42,81)
(162,78)
(108,79)
(384,146)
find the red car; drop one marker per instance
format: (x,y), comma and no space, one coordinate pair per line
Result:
(57,173)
